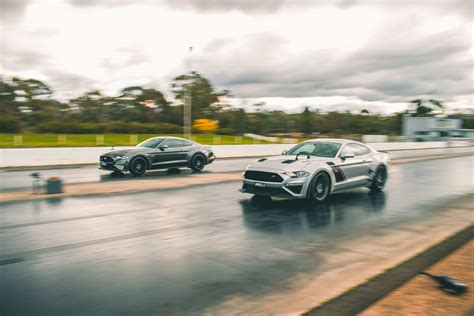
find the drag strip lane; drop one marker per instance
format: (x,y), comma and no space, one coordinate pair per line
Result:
(209,248)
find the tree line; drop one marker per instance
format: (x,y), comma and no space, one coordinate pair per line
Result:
(29,106)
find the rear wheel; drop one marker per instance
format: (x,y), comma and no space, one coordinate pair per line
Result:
(320,187)
(138,166)
(198,162)
(379,179)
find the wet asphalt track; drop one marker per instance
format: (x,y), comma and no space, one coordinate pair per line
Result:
(16,179)
(182,251)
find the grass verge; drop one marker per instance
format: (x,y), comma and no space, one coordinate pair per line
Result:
(99,140)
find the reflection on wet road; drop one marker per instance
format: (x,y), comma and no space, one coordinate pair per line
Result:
(178,252)
(14,180)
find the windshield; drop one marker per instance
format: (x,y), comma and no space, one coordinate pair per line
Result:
(319,149)
(151,143)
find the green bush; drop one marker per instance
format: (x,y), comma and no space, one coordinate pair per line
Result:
(168,128)
(53,127)
(226,131)
(85,128)
(9,125)
(119,127)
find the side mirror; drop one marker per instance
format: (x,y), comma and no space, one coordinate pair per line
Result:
(163,147)
(284,152)
(347,154)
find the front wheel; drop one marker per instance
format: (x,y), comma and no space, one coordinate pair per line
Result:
(138,166)
(320,187)
(379,179)
(198,162)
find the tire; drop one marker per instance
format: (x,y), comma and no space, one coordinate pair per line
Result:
(379,179)
(138,166)
(320,187)
(198,162)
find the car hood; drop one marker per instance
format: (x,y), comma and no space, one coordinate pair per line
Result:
(128,152)
(285,162)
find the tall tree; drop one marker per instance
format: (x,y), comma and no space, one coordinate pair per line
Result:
(7,98)
(421,107)
(199,90)
(307,125)
(31,89)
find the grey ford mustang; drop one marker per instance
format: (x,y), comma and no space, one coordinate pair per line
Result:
(158,153)
(316,168)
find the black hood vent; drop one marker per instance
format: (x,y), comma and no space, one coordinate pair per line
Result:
(289,161)
(262,159)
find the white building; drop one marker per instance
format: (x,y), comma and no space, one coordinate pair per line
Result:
(431,128)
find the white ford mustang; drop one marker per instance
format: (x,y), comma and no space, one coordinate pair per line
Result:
(316,168)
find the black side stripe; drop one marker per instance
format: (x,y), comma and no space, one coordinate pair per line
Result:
(338,173)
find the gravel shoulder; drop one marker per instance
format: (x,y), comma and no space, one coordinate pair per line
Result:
(420,295)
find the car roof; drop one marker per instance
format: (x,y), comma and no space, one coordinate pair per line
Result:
(341,141)
(334,140)
(169,137)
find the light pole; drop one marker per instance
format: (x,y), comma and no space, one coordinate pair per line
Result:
(187,106)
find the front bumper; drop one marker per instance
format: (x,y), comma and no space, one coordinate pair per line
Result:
(210,158)
(112,164)
(289,187)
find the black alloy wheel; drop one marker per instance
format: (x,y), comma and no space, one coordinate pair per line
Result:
(198,162)
(379,180)
(320,187)
(138,166)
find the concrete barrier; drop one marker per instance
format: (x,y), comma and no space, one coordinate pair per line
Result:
(374,138)
(20,157)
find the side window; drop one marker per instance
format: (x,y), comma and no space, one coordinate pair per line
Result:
(185,143)
(357,149)
(174,143)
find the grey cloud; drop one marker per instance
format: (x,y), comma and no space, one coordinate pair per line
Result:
(225,5)
(68,84)
(18,60)
(199,5)
(462,8)
(108,3)
(390,66)
(247,6)
(129,57)
(13,10)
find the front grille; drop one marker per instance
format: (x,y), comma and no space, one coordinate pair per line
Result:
(265,191)
(106,159)
(263,176)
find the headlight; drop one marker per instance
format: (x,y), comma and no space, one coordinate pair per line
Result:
(121,157)
(301,174)
(298,174)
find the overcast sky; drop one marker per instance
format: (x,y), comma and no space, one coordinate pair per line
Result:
(330,55)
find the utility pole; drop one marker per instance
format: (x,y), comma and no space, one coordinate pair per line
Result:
(187,106)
